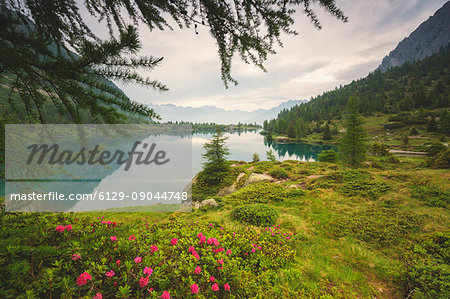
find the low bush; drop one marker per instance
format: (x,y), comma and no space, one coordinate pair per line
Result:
(430,195)
(352,183)
(76,256)
(293,193)
(435,149)
(279,173)
(427,273)
(262,192)
(380,225)
(327,156)
(201,189)
(442,160)
(255,214)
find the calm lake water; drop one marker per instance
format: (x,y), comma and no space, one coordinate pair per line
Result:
(243,145)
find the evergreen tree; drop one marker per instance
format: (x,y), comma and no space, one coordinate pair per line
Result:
(270,155)
(353,143)
(432,125)
(49,53)
(269,136)
(405,142)
(290,132)
(216,165)
(255,158)
(326,132)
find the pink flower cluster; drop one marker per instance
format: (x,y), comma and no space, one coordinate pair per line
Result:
(148,271)
(61,228)
(83,278)
(213,241)
(98,296)
(153,248)
(110,273)
(202,238)
(174,241)
(76,256)
(194,288)
(143,281)
(165,295)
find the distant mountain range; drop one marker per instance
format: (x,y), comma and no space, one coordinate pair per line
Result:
(213,114)
(426,40)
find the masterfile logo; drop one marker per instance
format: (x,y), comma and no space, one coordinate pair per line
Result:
(96,167)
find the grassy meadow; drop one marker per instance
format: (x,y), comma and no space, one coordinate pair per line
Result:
(316,230)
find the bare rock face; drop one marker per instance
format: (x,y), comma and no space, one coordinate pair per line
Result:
(426,40)
(227,190)
(211,202)
(257,177)
(240,176)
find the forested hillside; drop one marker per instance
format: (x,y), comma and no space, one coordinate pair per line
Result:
(423,84)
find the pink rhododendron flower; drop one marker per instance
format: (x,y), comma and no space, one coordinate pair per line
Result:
(228,251)
(98,296)
(194,288)
(131,238)
(138,259)
(212,278)
(220,261)
(113,238)
(153,248)
(143,281)
(68,227)
(60,228)
(202,240)
(174,241)
(165,295)
(253,250)
(195,254)
(226,287)
(191,249)
(220,268)
(83,278)
(215,287)
(210,241)
(118,262)
(76,256)
(110,273)
(198,270)
(148,271)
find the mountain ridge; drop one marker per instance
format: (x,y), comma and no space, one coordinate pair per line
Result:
(428,38)
(213,114)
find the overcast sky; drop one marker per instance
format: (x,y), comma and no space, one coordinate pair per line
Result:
(309,64)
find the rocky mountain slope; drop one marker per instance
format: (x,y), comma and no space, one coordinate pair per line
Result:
(426,40)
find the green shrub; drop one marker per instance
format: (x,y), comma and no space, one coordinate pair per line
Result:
(262,192)
(413,131)
(36,259)
(256,214)
(327,156)
(352,183)
(427,273)
(202,189)
(279,173)
(293,193)
(442,160)
(380,225)
(430,195)
(435,149)
(380,150)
